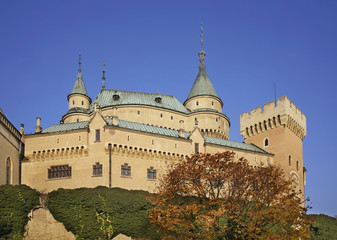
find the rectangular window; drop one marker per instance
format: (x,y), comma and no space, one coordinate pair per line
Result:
(97,169)
(98,135)
(151,173)
(196,148)
(62,171)
(125,170)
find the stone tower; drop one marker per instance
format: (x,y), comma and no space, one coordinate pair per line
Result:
(279,129)
(78,99)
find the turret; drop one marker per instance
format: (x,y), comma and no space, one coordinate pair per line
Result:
(202,94)
(79,98)
(279,129)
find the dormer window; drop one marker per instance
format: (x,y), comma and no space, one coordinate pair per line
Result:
(158,99)
(115,97)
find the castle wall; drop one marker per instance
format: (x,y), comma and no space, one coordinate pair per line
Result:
(9,150)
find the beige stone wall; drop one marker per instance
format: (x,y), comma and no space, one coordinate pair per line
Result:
(139,150)
(203,102)
(78,100)
(285,127)
(9,149)
(211,123)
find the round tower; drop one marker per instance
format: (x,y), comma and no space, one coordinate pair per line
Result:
(204,103)
(78,99)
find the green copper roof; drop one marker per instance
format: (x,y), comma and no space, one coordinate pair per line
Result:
(148,128)
(232,144)
(79,86)
(65,127)
(202,85)
(107,98)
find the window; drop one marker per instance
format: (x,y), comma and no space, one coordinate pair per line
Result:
(128,138)
(158,99)
(97,169)
(82,103)
(79,138)
(57,140)
(138,112)
(8,171)
(98,135)
(216,119)
(115,97)
(78,120)
(171,117)
(266,142)
(196,148)
(73,102)
(125,170)
(161,115)
(62,171)
(151,173)
(212,103)
(197,103)
(297,165)
(289,160)
(152,142)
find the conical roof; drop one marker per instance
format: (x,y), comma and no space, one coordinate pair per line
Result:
(202,85)
(79,86)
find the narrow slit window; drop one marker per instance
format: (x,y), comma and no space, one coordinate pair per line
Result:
(196,148)
(98,135)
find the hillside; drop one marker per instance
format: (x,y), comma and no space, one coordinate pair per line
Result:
(325,227)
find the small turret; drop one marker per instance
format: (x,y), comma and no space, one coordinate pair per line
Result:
(79,98)
(202,94)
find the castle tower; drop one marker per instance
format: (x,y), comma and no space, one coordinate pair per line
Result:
(279,129)
(202,94)
(78,98)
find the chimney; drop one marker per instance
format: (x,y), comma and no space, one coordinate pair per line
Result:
(38,127)
(181,130)
(22,130)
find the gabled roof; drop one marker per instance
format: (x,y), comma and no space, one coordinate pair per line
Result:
(202,85)
(79,86)
(106,98)
(232,144)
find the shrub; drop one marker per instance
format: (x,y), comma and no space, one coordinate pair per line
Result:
(15,204)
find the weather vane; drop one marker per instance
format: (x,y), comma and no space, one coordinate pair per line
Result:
(79,62)
(103,77)
(202,53)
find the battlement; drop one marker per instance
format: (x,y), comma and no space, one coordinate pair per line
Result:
(284,113)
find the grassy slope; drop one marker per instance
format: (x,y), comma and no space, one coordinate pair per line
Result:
(77,210)
(327,227)
(15,204)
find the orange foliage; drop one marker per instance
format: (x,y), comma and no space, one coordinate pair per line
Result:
(215,197)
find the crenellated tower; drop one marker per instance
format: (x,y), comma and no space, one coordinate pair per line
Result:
(279,129)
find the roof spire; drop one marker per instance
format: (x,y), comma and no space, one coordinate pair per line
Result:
(103,77)
(202,53)
(79,62)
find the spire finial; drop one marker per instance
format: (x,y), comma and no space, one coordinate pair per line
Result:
(103,77)
(202,53)
(79,62)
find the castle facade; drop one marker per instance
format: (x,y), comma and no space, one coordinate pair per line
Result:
(128,139)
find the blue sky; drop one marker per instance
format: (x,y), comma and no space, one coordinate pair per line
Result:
(153,45)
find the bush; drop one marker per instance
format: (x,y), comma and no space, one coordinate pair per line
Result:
(324,228)
(15,204)
(127,210)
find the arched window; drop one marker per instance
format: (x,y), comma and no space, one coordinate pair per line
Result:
(289,160)
(8,171)
(266,142)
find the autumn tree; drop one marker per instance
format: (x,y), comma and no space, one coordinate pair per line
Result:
(217,197)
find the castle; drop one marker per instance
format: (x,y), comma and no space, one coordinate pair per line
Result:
(127,139)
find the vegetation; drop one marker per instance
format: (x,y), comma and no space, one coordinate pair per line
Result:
(217,197)
(102,212)
(325,227)
(15,204)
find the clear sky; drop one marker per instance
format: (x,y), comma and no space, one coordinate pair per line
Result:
(153,45)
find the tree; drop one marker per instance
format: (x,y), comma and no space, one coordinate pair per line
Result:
(216,197)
